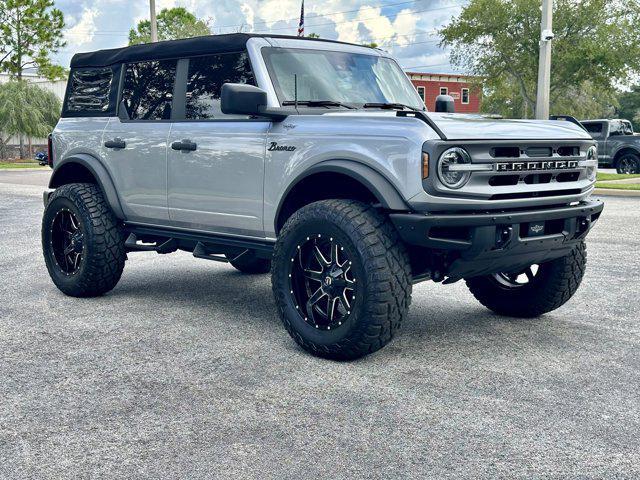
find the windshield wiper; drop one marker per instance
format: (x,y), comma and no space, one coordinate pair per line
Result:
(317,103)
(390,106)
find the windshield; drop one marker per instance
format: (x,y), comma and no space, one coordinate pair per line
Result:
(346,78)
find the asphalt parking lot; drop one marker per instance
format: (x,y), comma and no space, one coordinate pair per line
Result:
(184,371)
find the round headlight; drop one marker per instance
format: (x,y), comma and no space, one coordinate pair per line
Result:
(447,163)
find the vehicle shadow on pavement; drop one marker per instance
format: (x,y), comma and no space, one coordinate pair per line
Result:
(223,295)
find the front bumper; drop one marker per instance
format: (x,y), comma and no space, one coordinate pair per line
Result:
(485,243)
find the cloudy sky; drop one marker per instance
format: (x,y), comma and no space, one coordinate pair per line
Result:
(404,28)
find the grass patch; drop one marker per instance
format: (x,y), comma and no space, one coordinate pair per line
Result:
(619,186)
(19,165)
(614,176)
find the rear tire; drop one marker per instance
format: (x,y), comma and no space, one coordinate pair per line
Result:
(82,241)
(628,163)
(552,286)
(249,263)
(362,305)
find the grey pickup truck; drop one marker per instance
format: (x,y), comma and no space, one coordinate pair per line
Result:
(618,145)
(316,161)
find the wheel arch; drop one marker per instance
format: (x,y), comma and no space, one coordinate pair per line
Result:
(347,179)
(84,168)
(624,150)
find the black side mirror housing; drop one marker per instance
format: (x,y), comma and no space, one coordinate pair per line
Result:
(445,104)
(243,99)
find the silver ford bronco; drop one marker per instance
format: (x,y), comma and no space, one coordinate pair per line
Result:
(315,160)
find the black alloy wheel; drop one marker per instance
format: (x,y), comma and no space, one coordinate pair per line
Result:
(341,278)
(82,241)
(629,164)
(67,241)
(323,284)
(518,278)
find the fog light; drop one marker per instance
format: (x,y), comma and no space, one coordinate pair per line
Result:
(449,167)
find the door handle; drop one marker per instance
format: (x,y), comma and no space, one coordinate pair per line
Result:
(184,145)
(116,143)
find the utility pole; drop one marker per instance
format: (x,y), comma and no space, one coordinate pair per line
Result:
(544,65)
(154,23)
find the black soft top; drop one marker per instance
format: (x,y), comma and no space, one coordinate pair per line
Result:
(232,42)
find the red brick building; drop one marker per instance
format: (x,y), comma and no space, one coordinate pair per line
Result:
(430,85)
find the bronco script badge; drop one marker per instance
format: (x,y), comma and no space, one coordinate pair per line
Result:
(274,147)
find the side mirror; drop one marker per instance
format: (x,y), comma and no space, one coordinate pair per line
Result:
(444,103)
(242,99)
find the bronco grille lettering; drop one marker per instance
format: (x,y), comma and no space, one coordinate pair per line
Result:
(529,166)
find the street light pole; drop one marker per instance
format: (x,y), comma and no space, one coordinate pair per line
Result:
(544,65)
(154,23)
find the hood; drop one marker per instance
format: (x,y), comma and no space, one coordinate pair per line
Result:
(457,126)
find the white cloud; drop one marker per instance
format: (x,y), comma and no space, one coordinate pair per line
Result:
(83,30)
(402,30)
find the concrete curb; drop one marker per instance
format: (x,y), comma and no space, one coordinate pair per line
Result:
(617,193)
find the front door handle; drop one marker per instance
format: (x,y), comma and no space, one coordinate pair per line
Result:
(184,145)
(116,143)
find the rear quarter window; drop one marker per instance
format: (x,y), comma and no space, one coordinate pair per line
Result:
(89,92)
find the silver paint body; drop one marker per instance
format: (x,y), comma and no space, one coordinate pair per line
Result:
(232,184)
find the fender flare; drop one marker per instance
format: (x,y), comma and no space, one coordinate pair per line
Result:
(634,148)
(99,172)
(375,182)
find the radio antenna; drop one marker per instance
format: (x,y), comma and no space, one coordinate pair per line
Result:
(295,91)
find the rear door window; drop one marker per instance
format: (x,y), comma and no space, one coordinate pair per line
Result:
(205,78)
(147,92)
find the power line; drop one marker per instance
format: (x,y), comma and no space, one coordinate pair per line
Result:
(122,33)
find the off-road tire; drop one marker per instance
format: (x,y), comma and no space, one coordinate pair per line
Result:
(103,255)
(629,159)
(249,263)
(381,266)
(554,284)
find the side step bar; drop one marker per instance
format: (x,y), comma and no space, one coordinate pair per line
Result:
(201,252)
(203,244)
(168,246)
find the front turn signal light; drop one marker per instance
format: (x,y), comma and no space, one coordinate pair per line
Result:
(425,165)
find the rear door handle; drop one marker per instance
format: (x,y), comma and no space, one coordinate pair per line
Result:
(116,143)
(184,145)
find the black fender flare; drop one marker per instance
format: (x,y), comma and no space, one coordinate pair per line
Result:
(632,148)
(375,182)
(99,173)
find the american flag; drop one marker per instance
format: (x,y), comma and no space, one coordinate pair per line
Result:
(301,24)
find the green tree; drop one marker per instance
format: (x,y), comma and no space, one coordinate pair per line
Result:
(596,46)
(173,23)
(629,106)
(30,31)
(26,109)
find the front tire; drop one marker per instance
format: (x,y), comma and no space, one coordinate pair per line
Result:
(82,241)
(628,163)
(532,293)
(341,279)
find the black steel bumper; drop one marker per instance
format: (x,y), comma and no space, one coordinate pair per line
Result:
(484,243)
